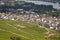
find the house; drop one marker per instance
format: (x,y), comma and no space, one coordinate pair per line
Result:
(12,19)
(51,27)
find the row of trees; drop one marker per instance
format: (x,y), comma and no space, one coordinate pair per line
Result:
(54,14)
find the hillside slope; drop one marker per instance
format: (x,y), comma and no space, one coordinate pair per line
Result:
(48,0)
(25,31)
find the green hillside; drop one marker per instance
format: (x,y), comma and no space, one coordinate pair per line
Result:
(22,30)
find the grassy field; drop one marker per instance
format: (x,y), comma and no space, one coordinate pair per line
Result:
(25,31)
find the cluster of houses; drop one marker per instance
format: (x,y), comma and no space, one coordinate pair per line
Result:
(52,22)
(10,2)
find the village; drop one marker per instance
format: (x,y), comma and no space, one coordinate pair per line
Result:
(50,22)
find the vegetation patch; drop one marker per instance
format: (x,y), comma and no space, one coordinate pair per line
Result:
(21,30)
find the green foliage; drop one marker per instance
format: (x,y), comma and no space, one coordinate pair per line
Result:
(15,38)
(53,14)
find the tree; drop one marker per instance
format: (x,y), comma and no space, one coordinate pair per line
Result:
(15,38)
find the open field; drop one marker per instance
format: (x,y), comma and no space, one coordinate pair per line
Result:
(25,31)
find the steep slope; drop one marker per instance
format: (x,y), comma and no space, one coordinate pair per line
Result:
(25,31)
